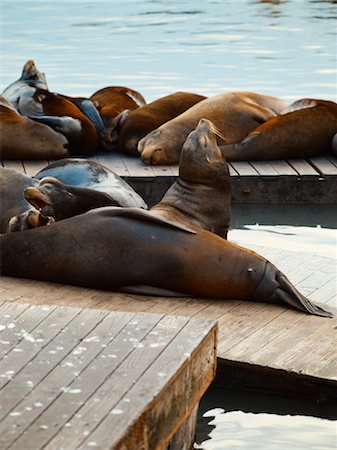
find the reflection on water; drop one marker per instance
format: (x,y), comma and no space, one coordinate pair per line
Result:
(234,419)
(284,48)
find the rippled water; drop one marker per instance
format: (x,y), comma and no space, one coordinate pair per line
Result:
(283,48)
(278,47)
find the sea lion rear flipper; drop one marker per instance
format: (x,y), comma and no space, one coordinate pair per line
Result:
(291,296)
(89,109)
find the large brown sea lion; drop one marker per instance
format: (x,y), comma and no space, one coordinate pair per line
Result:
(141,251)
(23,138)
(134,125)
(305,129)
(111,102)
(201,195)
(132,249)
(235,115)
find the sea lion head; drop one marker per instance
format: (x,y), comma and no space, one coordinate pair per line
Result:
(27,220)
(33,76)
(50,197)
(161,146)
(201,156)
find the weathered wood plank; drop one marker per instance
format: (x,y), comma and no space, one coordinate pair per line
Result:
(136,168)
(264,168)
(283,168)
(31,168)
(56,383)
(303,167)
(114,162)
(243,168)
(24,324)
(323,165)
(148,400)
(14,165)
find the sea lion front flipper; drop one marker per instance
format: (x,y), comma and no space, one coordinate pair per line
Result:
(140,214)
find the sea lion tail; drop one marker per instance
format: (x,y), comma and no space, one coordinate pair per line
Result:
(288,294)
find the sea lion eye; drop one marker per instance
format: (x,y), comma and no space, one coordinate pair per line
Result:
(34,77)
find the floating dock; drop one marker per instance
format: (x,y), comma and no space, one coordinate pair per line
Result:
(85,378)
(294,181)
(260,346)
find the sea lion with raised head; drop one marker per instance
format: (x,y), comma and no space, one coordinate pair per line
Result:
(30,79)
(201,195)
(134,125)
(235,115)
(305,129)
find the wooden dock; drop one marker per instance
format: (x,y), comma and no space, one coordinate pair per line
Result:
(294,181)
(260,346)
(85,378)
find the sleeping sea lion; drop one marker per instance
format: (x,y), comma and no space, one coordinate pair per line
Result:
(134,125)
(113,103)
(303,130)
(23,138)
(91,175)
(234,114)
(135,250)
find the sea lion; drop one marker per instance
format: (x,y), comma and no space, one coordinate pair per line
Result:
(16,213)
(113,103)
(135,250)
(63,116)
(201,195)
(234,114)
(93,176)
(23,138)
(303,130)
(30,78)
(134,125)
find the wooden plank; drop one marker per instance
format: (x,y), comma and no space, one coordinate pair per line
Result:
(24,324)
(264,168)
(303,168)
(58,382)
(136,167)
(14,165)
(150,402)
(244,169)
(246,349)
(283,168)
(114,162)
(99,368)
(232,171)
(323,165)
(9,312)
(333,159)
(31,168)
(310,354)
